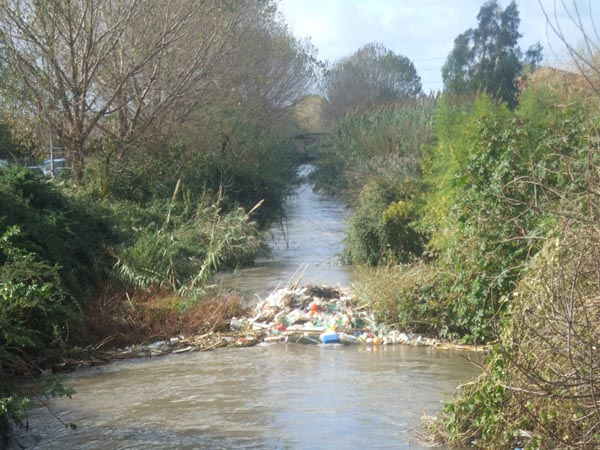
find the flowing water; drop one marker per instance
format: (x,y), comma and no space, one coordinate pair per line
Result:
(306,246)
(266,397)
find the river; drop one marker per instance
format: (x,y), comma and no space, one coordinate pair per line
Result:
(305,246)
(282,396)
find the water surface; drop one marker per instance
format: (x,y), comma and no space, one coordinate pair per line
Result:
(306,246)
(267,397)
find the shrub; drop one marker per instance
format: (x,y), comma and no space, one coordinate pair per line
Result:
(34,311)
(184,255)
(380,231)
(35,315)
(539,390)
(540,387)
(237,161)
(61,230)
(485,210)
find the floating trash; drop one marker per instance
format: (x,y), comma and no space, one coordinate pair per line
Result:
(320,314)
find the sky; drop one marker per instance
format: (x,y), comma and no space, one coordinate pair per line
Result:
(424,30)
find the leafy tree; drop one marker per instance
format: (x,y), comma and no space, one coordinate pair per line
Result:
(269,69)
(372,75)
(488,57)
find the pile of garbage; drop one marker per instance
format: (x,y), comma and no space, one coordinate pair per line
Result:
(319,315)
(307,315)
(181,344)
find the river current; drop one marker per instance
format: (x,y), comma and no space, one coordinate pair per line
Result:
(281,396)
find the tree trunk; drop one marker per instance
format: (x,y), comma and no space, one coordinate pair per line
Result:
(77,160)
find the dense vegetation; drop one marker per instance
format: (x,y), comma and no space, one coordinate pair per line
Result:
(490,239)
(177,120)
(474,212)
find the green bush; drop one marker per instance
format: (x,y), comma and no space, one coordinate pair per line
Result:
(34,311)
(61,230)
(35,315)
(539,388)
(251,164)
(491,181)
(485,210)
(373,161)
(380,230)
(475,415)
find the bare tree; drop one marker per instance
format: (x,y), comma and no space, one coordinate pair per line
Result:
(89,67)
(193,39)
(584,54)
(266,71)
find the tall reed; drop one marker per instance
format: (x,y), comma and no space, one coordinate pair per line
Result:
(382,143)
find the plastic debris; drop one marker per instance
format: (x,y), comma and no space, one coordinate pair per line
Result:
(320,314)
(330,337)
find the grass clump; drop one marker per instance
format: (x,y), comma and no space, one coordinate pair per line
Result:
(405,295)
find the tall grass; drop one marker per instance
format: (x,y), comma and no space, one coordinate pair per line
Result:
(183,254)
(385,143)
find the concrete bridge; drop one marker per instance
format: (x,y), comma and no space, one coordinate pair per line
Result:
(311,144)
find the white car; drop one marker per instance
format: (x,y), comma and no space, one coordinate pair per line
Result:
(60,164)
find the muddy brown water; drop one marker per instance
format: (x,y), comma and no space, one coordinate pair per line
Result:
(282,396)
